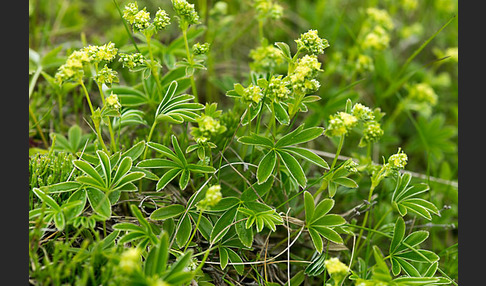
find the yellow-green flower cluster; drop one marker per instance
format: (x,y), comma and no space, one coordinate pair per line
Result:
(372,132)
(380,17)
(375,31)
(131,61)
(130,259)
(303,78)
(397,161)
(409,5)
(362,112)
(161,20)
(200,49)
(207,126)
(278,88)
(268,9)
(106,52)
(73,69)
(364,63)
(213,196)
(140,19)
(312,43)
(265,58)
(252,94)
(186,12)
(106,76)
(422,93)
(377,39)
(335,267)
(340,124)
(112,101)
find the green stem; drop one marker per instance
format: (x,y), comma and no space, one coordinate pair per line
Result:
(155,72)
(190,61)
(340,146)
(96,122)
(110,128)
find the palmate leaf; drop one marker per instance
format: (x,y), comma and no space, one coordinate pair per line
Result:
(404,198)
(177,165)
(176,108)
(319,223)
(284,151)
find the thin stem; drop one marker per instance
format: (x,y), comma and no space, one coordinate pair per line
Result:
(190,61)
(110,128)
(155,72)
(38,128)
(340,146)
(96,122)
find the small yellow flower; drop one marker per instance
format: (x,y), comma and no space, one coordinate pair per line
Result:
(335,266)
(213,196)
(130,259)
(112,101)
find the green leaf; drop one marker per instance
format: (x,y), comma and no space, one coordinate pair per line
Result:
(105,166)
(223,257)
(307,155)
(167,212)
(59,220)
(100,202)
(135,151)
(316,239)
(184,232)
(235,258)
(184,179)
(317,266)
(157,258)
(126,226)
(329,220)
(294,168)
(285,51)
(158,163)
(419,255)
(323,207)
(244,234)
(281,114)
(134,176)
(167,178)
(177,273)
(255,139)
(266,166)
(200,168)
(250,194)
(347,182)
(299,135)
(178,150)
(221,226)
(224,204)
(61,187)
(328,233)
(123,168)
(309,206)
(47,199)
(79,195)
(89,170)
(164,150)
(398,234)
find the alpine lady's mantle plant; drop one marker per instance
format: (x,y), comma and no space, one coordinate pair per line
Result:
(166,188)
